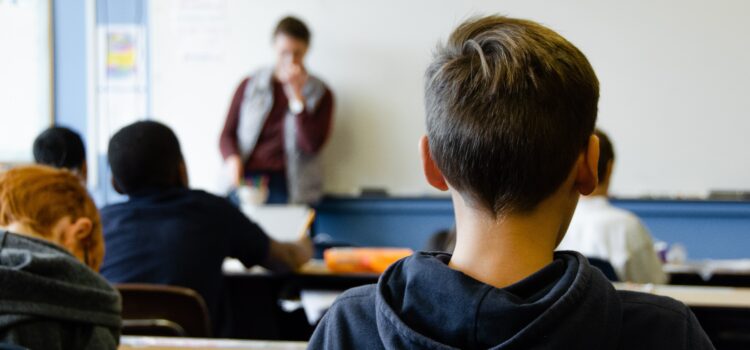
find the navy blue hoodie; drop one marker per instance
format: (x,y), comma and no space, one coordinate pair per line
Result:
(421,303)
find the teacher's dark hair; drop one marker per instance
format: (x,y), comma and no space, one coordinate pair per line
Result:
(145,155)
(60,147)
(294,28)
(510,106)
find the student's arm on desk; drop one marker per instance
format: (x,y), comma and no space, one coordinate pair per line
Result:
(252,246)
(288,256)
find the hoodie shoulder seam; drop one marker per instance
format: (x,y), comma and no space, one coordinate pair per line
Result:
(357,292)
(347,297)
(487,290)
(411,337)
(680,312)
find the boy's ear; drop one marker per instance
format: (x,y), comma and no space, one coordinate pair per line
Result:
(431,172)
(587,177)
(81,228)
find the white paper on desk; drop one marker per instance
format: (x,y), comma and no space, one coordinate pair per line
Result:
(317,302)
(235,266)
(707,268)
(738,266)
(280,222)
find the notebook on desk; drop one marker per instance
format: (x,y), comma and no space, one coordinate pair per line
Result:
(280,222)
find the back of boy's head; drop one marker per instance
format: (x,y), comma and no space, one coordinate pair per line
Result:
(510,106)
(60,147)
(606,155)
(145,155)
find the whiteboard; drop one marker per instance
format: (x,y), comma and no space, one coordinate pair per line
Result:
(25,77)
(673,79)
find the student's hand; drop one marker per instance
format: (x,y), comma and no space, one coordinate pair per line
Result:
(286,256)
(236,170)
(305,249)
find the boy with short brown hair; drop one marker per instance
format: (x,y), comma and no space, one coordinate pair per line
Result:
(511,108)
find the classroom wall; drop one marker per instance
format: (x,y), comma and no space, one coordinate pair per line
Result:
(673,78)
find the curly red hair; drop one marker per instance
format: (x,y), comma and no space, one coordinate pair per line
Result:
(40,196)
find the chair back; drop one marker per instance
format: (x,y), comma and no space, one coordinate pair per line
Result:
(151,309)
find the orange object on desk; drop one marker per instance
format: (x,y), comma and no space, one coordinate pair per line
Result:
(353,260)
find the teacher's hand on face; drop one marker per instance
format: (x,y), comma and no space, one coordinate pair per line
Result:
(294,77)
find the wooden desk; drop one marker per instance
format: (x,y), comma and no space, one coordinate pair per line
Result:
(253,296)
(723,312)
(726,273)
(313,275)
(696,296)
(164,343)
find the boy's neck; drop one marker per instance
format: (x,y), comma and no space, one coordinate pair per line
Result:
(601,191)
(503,251)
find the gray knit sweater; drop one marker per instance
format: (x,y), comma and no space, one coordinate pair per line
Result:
(49,300)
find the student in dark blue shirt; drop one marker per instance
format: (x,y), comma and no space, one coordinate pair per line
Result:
(169,234)
(511,108)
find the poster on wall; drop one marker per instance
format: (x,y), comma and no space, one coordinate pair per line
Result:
(121,56)
(122,96)
(122,61)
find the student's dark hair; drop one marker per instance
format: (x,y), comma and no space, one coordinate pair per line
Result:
(510,105)
(294,28)
(606,154)
(60,147)
(144,155)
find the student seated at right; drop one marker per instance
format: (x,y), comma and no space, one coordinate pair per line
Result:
(511,108)
(62,148)
(50,294)
(166,233)
(600,230)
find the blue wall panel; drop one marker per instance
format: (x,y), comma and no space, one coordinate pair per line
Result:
(70,64)
(708,229)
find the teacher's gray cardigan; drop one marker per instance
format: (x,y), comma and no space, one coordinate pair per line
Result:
(304,171)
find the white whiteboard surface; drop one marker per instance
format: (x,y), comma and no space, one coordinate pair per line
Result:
(674,81)
(25,76)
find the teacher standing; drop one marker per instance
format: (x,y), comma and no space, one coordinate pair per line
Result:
(279,120)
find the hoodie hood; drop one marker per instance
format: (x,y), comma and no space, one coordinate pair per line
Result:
(42,280)
(421,302)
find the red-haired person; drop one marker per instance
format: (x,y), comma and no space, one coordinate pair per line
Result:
(50,251)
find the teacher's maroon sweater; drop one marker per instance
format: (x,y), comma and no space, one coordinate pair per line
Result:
(313,127)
